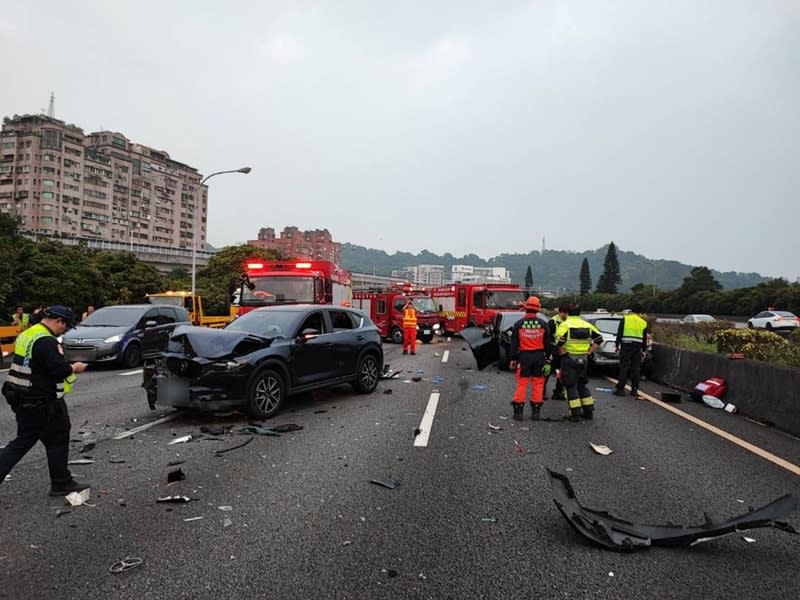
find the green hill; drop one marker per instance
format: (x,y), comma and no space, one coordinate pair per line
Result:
(552,270)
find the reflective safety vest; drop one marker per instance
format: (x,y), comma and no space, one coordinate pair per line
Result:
(531,334)
(633,329)
(576,335)
(20,371)
(22,322)
(409,317)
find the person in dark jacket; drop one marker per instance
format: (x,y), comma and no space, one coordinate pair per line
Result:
(531,347)
(35,386)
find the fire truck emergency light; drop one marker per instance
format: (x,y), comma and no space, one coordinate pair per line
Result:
(255,265)
(303,265)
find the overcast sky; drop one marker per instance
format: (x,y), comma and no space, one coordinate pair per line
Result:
(671,127)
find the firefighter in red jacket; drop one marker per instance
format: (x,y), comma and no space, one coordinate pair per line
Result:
(409,328)
(531,347)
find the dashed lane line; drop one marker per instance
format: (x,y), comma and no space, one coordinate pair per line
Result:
(141,428)
(136,372)
(445,356)
(791,467)
(427,421)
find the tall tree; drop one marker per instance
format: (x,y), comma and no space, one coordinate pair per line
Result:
(700,279)
(529,280)
(610,279)
(586,278)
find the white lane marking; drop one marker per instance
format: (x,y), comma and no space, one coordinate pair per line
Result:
(427,421)
(136,430)
(445,356)
(722,433)
(136,372)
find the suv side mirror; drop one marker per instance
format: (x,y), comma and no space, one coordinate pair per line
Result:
(307,334)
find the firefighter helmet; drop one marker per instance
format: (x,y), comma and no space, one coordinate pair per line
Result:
(532,304)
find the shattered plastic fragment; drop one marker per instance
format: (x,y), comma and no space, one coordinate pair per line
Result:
(81,461)
(176,475)
(227,522)
(256,430)
(495,427)
(488,520)
(604,450)
(617,534)
(180,440)
(225,508)
(286,428)
(78,498)
(749,540)
(478,387)
(174,499)
(192,519)
(116,459)
(389,482)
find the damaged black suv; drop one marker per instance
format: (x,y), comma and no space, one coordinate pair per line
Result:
(265,356)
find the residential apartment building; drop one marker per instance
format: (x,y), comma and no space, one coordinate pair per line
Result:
(293,243)
(57,181)
(427,275)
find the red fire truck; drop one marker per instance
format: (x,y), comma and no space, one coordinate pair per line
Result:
(475,304)
(268,282)
(385,307)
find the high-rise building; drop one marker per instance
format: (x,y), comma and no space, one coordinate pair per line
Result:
(57,181)
(293,243)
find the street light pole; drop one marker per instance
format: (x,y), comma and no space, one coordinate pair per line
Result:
(244,170)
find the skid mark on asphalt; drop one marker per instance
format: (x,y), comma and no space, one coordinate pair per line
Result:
(791,467)
(427,421)
(141,428)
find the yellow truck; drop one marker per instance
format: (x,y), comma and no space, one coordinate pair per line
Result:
(194,305)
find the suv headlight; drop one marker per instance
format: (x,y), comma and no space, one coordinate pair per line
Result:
(113,339)
(227,365)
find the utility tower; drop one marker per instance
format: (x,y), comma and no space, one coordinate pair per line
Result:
(51,108)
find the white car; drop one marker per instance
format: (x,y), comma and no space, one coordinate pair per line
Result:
(692,319)
(774,319)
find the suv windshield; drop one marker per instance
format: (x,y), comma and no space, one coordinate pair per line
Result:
(114,316)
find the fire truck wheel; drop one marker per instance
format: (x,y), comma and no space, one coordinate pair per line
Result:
(397,335)
(366,374)
(426,339)
(266,395)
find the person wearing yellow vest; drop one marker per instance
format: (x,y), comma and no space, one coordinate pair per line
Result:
(20,319)
(409,328)
(37,380)
(631,340)
(577,339)
(555,366)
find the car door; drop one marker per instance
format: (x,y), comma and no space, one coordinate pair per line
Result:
(148,331)
(760,320)
(313,357)
(348,338)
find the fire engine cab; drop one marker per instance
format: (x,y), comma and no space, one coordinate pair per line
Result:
(385,307)
(474,304)
(269,282)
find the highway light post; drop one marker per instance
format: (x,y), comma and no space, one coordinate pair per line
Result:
(199,190)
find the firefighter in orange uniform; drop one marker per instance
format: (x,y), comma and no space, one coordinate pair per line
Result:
(409,328)
(531,347)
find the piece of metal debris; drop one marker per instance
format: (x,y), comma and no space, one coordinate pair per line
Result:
(749,540)
(192,519)
(256,430)
(180,440)
(604,450)
(174,463)
(129,562)
(286,428)
(81,461)
(388,482)
(88,447)
(495,427)
(116,459)
(174,499)
(624,536)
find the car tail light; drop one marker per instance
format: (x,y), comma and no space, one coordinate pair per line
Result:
(778,318)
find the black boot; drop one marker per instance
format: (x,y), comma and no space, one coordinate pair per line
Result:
(634,393)
(518,408)
(62,489)
(536,410)
(558,394)
(619,391)
(588,413)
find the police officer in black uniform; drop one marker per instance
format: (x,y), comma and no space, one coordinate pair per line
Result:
(35,388)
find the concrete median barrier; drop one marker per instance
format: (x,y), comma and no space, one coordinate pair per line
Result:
(760,390)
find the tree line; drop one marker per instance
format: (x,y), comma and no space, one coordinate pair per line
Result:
(49,272)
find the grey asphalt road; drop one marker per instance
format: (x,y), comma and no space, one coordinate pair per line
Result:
(473,516)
